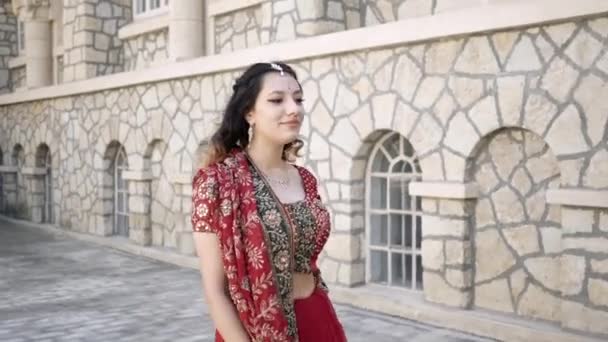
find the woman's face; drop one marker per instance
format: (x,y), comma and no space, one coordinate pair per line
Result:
(277,114)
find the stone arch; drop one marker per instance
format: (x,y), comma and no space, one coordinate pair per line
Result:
(347,185)
(115,190)
(516,234)
(158,162)
(393,217)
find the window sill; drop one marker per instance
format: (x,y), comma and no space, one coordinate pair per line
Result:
(16,62)
(143,26)
(225,6)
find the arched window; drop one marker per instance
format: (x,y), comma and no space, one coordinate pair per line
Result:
(394,223)
(18,160)
(43,160)
(121,194)
(48,189)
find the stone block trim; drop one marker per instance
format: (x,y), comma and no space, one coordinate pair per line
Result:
(8,45)
(90,37)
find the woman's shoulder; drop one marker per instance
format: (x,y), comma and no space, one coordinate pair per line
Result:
(307,175)
(217,169)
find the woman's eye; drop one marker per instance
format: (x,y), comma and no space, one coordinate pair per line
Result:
(299,100)
(276,100)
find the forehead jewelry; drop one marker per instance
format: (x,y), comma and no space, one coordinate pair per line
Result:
(277,67)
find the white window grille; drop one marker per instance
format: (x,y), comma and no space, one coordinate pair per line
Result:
(121,194)
(148,8)
(393,219)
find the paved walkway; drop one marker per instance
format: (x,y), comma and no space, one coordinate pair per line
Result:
(54,288)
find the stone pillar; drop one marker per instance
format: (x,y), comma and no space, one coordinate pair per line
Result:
(446,245)
(38,41)
(38,53)
(8,45)
(186,29)
(140,230)
(34,178)
(182,185)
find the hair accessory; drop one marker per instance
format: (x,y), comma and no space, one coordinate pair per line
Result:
(277,67)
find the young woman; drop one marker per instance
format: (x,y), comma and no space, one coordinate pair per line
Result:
(259,223)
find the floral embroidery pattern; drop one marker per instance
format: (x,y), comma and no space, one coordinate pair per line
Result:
(230,200)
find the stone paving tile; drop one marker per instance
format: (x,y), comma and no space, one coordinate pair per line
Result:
(55,288)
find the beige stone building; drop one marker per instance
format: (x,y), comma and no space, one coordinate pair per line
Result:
(461,146)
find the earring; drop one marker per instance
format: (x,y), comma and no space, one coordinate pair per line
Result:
(250,131)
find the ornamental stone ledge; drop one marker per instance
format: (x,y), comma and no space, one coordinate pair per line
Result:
(8,169)
(34,171)
(143,26)
(578,197)
(133,175)
(225,6)
(444,190)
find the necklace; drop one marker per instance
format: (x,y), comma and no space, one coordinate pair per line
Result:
(282,182)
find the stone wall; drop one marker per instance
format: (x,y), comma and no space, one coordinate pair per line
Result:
(517,236)
(8,45)
(17,77)
(462,103)
(282,20)
(382,11)
(91,44)
(146,50)
(238,30)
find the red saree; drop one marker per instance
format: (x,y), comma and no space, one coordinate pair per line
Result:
(255,242)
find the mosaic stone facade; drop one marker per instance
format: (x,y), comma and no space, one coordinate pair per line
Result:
(517,236)
(515,113)
(146,50)
(90,41)
(281,20)
(238,30)
(8,45)
(382,11)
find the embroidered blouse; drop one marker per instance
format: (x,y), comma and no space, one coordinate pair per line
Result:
(256,233)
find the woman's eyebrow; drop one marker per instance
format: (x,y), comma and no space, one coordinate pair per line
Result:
(280,92)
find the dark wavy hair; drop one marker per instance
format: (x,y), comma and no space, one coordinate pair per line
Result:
(234,129)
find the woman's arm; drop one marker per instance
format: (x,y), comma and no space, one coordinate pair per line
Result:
(223,311)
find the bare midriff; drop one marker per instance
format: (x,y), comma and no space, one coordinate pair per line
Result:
(303,285)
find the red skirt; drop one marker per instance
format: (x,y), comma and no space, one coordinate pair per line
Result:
(316,319)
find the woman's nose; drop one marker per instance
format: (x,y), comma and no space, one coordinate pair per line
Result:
(293,107)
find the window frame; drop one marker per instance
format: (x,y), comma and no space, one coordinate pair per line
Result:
(20,37)
(413,210)
(148,12)
(121,210)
